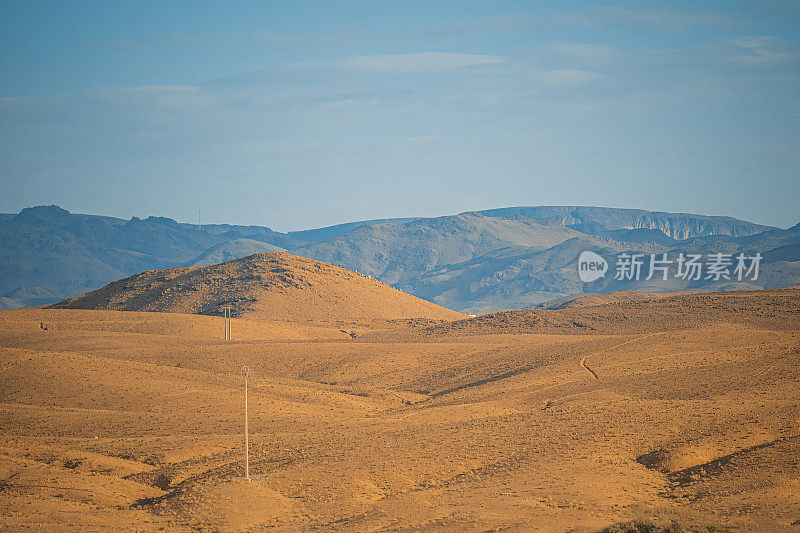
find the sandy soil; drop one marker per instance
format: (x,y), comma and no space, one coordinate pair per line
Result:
(682,408)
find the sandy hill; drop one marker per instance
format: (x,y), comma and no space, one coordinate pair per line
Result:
(272,286)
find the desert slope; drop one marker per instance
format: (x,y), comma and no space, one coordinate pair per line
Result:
(776,308)
(266,286)
(591,300)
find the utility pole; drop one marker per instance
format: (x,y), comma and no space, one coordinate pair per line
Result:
(246,372)
(227,311)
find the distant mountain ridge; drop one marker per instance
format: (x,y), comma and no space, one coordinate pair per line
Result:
(232,249)
(474,261)
(679,226)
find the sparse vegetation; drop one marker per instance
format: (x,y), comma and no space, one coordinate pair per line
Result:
(672,527)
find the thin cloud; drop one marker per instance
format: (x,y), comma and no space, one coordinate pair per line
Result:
(414,63)
(149,95)
(418,62)
(161,89)
(763,50)
(138,43)
(653,17)
(566,76)
(583,52)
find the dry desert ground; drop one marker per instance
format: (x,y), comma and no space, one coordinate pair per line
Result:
(682,408)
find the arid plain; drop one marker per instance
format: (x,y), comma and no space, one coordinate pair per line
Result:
(677,408)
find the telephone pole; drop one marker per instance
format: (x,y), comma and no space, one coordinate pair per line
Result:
(246,373)
(227,311)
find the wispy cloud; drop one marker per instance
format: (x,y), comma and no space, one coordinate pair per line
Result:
(421,62)
(160,89)
(649,16)
(152,95)
(413,63)
(762,50)
(257,37)
(583,52)
(652,17)
(566,76)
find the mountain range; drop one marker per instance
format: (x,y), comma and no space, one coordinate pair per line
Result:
(472,262)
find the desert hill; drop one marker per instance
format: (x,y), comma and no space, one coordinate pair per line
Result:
(269,286)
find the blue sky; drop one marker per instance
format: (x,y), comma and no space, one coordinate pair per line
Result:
(303,114)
